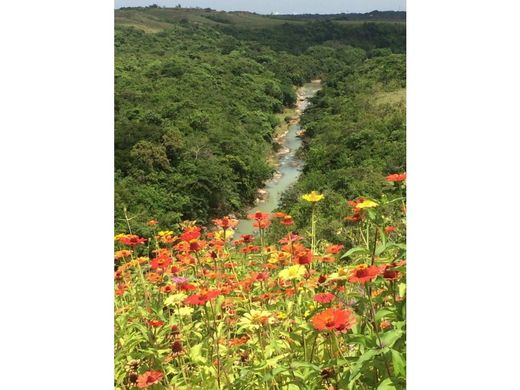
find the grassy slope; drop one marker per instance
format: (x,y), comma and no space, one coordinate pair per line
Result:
(157,19)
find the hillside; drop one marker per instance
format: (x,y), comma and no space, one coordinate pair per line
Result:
(156,18)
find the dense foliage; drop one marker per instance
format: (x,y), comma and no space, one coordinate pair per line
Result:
(197,105)
(355,135)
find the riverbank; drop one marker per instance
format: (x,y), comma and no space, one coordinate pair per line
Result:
(284,158)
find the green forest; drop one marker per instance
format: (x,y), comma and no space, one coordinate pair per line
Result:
(199,95)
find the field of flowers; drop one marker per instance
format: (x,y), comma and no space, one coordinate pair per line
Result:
(198,308)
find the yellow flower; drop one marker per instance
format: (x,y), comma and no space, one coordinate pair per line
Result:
(219,235)
(172,300)
(256,319)
(342,274)
(185,311)
(164,233)
(313,197)
(293,272)
(366,204)
(119,236)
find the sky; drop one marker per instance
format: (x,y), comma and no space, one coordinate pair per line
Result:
(278,6)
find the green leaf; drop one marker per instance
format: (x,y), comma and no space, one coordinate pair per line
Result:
(196,355)
(354,250)
(389,338)
(385,313)
(387,384)
(402,289)
(399,363)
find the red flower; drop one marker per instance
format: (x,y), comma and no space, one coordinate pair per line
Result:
(390,229)
(160,262)
(304,257)
(289,238)
(363,273)
(132,240)
(121,289)
(247,238)
(258,216)
(334,319)
(196,245)
(226,222)
(155,323)
(190,233)
(149,378)
(333,249)
(396,177)
(262,223)
(324,297)
(201,299)
(287,220)
(249,249)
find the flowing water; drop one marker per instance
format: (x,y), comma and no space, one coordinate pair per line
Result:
(289,165)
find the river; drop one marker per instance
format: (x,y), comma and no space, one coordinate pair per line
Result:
(289,166)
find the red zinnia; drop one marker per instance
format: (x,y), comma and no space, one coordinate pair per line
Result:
(155,323)
(160,262)
(324,297)
(333,249)
(190,233)
(390,229)
(226,222)
(304,257)
(201,299)
(247,238)
(287,220)
(131,240)
(258,216)
(149,378)
(396,177)
(262,223)
(363,274)
(334,319)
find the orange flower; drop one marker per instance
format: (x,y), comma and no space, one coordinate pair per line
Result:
(161,262)
(390,229)
(155,323)
(334,319)
(279,214)
(303,257)
(287,220)
(122,254)
(148,379)
(258,216)
(262,223)
(201,299)
(334,249)
(396,177)
(363,273)
(190,233)
(131,240)
(324,297)
(152,222)
(226,222)
(153,277)
(121,289)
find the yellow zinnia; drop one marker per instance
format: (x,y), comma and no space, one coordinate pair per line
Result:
(313,197)
(366,204)
(293,272)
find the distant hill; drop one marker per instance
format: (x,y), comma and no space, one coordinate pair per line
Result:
(154,19)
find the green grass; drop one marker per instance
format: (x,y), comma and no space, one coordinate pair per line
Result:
(393,98)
